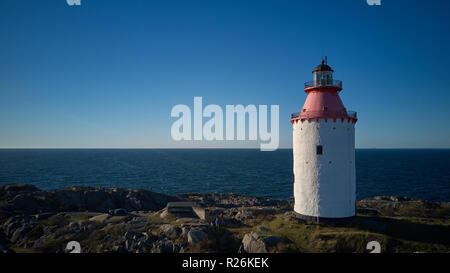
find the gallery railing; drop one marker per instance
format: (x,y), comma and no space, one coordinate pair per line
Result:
(323,82)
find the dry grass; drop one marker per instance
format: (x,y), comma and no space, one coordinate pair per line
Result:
(393,234)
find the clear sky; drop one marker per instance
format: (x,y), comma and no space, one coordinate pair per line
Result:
(107,73)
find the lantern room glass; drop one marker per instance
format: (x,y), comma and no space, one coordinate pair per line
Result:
(323,78)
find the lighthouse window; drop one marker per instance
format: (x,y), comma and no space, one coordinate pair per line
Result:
(319,149)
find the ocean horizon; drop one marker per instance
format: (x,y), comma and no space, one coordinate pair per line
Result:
(420,173)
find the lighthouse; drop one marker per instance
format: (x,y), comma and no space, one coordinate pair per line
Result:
(324,151)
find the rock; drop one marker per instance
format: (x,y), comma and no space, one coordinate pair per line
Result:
(118,212)
(132,235)
(184,231)
(232,200)
(256,243)
(253,244)
(28,203)
(20,233)
(403,206)
(101,218)
(43,216)
(118,249)
(196,236)
(162,246)
(138,222)
(129,244)
(103,200)
(289,216)
(137,242)
(10,225)
(164,214)
(49,229)
(254,212)
(170,231)
(74,227)
(11,190)
(392,198)
(228,222)
(17,226)
(28,199)
(241,249)
(176,248)
(31,218)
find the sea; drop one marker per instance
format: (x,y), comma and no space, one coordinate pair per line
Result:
(415,173)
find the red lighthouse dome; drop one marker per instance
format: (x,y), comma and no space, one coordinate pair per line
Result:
(323,99)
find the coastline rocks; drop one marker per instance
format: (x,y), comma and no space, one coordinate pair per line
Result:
(10,190)
(27,199)
(196,236)
(165,246)
(136,221)
(20,232)
(226,221)
(17,226)
(118,212)
(393,198)
(76,227)
(170,231)
(143,242)
(184,231)
(402,206)
(230,200)
(289,216)
(256,243)
(248,213)
(137,242)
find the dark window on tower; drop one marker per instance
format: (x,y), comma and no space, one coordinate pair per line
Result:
(319,149)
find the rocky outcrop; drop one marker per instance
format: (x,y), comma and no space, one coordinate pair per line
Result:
(170,231)
(254,242)
(403,206)
(138,221)
(27,199)
(196,236)
(230,200)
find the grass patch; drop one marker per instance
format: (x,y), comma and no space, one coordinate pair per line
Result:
(394,234)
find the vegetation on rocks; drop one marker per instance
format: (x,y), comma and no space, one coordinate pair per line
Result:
(124,220)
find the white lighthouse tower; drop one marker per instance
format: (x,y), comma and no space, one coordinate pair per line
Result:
(324,151)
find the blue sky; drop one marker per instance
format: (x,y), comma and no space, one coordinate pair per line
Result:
(107,73)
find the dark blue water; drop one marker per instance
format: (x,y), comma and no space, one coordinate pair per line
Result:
(423,174)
